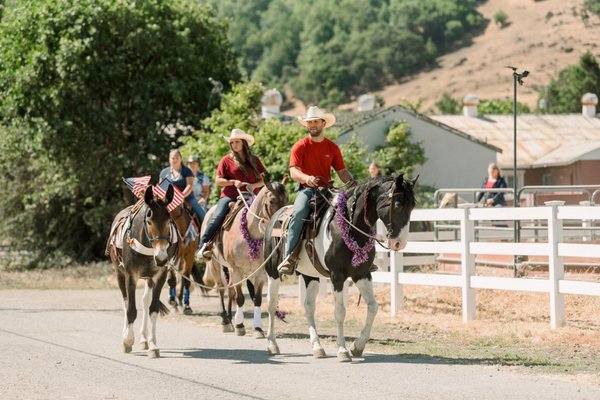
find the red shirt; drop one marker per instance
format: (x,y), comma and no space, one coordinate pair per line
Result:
(317,158)
(229,169)
(489,184)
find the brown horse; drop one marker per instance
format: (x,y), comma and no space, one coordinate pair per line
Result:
(185,262)
(140,245)
(233,251)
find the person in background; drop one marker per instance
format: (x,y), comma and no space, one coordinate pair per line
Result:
(374,170)
(494,180)
(201,185)
(182,178)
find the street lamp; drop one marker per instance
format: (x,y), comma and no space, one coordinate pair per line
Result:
(517,77)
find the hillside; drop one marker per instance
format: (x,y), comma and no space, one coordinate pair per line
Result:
(542,37)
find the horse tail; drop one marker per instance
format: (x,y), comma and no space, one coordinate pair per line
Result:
(162,309)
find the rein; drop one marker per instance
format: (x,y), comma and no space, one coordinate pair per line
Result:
(232,285)
(261,220)
(368,235)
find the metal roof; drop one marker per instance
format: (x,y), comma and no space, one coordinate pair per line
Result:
(352,120)
(542,140)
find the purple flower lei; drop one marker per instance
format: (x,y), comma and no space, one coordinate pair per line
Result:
(361,254)
(253,244)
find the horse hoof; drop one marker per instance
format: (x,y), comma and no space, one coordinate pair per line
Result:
(319,353)
(240,330)
(187,310)
(344,356)
(127,348)
(144,345)
(154,353)
(273,349)
(355,351)
(226,328)
(259,333)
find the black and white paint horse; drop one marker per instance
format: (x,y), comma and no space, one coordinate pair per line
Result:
(140,246)
(387,198)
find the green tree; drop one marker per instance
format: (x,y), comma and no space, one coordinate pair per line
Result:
(565,91)
(400,155)
(592,5)
(90,92)
(501,106)
(240,108)
(501,18)
(448,105)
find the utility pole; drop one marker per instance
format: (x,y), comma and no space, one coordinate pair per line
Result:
(517,77)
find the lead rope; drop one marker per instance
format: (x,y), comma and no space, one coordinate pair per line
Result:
(233,284)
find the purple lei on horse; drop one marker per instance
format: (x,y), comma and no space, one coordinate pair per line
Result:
(253,244)
(361,254)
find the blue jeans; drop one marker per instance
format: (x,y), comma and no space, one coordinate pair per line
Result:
(200,212)
(300,214)
(221,210)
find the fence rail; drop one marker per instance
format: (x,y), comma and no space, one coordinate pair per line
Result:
(555,248)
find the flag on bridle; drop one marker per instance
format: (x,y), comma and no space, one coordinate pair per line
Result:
(161,190)
(137,185)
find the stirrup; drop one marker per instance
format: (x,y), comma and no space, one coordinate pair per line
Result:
(205,252)
(287,266)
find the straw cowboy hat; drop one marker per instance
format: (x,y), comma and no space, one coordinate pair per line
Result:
(240,134)
(314,113)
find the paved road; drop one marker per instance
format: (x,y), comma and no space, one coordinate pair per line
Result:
(66,345)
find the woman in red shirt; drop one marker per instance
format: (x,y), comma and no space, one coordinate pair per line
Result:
(240,169)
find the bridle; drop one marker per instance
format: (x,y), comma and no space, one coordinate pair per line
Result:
(153,239)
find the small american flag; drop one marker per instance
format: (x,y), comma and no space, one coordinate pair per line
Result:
(161,190)
(138,185)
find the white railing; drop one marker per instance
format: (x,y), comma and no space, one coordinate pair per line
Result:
(555,249)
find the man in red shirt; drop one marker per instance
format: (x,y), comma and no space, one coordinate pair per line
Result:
(311,161)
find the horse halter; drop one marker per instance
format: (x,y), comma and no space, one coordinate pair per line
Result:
(155,238)
(390,199)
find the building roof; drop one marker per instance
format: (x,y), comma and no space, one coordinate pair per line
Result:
(349,121)
(542,140)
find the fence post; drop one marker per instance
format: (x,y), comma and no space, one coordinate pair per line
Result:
(396,289)
(556,270)
(467,235)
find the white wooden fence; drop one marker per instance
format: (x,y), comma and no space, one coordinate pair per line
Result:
(555,249)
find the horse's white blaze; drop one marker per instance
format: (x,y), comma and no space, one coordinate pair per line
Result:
(399,242)
(239,315)
(257,318)
(160,251)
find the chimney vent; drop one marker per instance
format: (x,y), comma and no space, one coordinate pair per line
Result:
(589,101)
(470,103)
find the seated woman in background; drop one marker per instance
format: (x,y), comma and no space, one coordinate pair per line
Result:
(494,180)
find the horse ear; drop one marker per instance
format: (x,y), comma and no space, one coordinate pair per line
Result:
(270,187)
(169,195)
(148,195)
(414,181)
(285,179)
(399,180)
